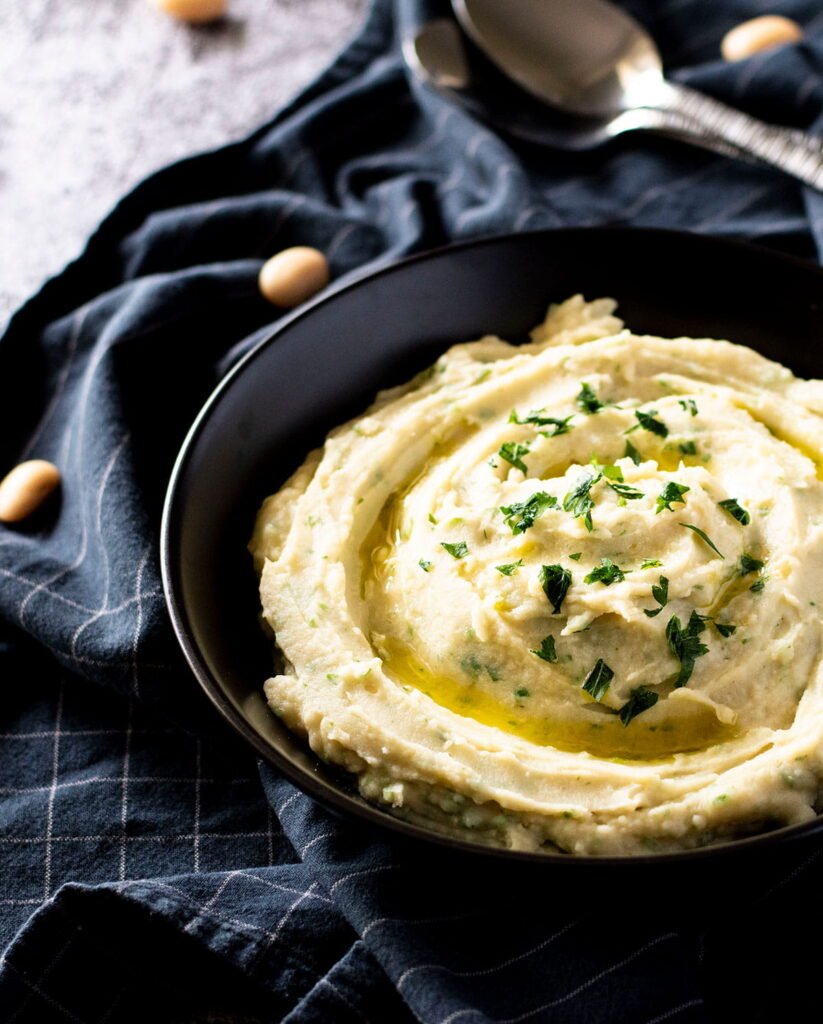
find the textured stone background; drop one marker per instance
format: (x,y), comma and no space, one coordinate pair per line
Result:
(97,93)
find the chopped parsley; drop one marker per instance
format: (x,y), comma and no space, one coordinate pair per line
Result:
(588,401)
(579,502)
(625,491)
(647,421)
(458,550)
(736,511)
(598,680)
(513,452)
(703,536)
(687,448)
(521,692)
(576,556)
(537,419)
(560,427)
(688,405)
(640,700)
(686,645)
(632,453)
(546,650)
(433,519)
(660,592)
(725,628)
(534,417)
(614,478)
(510,568)
(749,564)
(671,492)
(606,573)
(555,581)
(521,515)
(424,565)
(650,563)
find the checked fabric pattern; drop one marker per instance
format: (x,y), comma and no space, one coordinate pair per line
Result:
(150,869)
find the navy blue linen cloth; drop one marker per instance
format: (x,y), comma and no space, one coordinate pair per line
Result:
(151,870)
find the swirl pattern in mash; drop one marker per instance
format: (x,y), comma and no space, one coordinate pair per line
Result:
(563,594)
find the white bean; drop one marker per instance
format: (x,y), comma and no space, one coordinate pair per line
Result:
(25,489)
(193,11)
(293,275)
(758,34)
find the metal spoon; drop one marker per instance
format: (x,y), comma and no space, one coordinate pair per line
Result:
(589,58)
(438,56)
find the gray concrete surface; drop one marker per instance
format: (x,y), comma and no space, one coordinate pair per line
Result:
(98,93)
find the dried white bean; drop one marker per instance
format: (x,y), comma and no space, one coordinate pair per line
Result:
(293,275)
(193,11)
(758,34)
(25,489)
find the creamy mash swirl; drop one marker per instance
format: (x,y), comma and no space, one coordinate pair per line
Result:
(563,594)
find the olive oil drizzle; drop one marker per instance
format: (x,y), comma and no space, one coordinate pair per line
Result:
(596,730)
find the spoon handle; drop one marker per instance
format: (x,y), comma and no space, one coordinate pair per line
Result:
(795,152)
(674,126)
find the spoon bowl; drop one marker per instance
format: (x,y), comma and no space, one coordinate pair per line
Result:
(439,57)
(541,50)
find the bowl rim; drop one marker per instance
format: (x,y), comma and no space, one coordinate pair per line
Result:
(324,791)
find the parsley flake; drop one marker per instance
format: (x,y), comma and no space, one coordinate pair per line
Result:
(598,680)
(555,581)
(560,427)
(579,502)
(521,692)
(736,511)
(725,628)
(687,448)
(457,550)
(647,421)
(424,565)
(640,699)
(546,651)
(686,645)
(537,419)
(671,492)
(512,452)
(588,401)
(606,573)
(688,405)
(576,556)
(614,478)
(660,592)
(757,587)
(650,563)
(632,453)
(749,564)
(521,515)
(625,491)
(510,567)
(703,536)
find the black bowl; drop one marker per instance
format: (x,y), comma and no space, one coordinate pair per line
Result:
(324,363)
